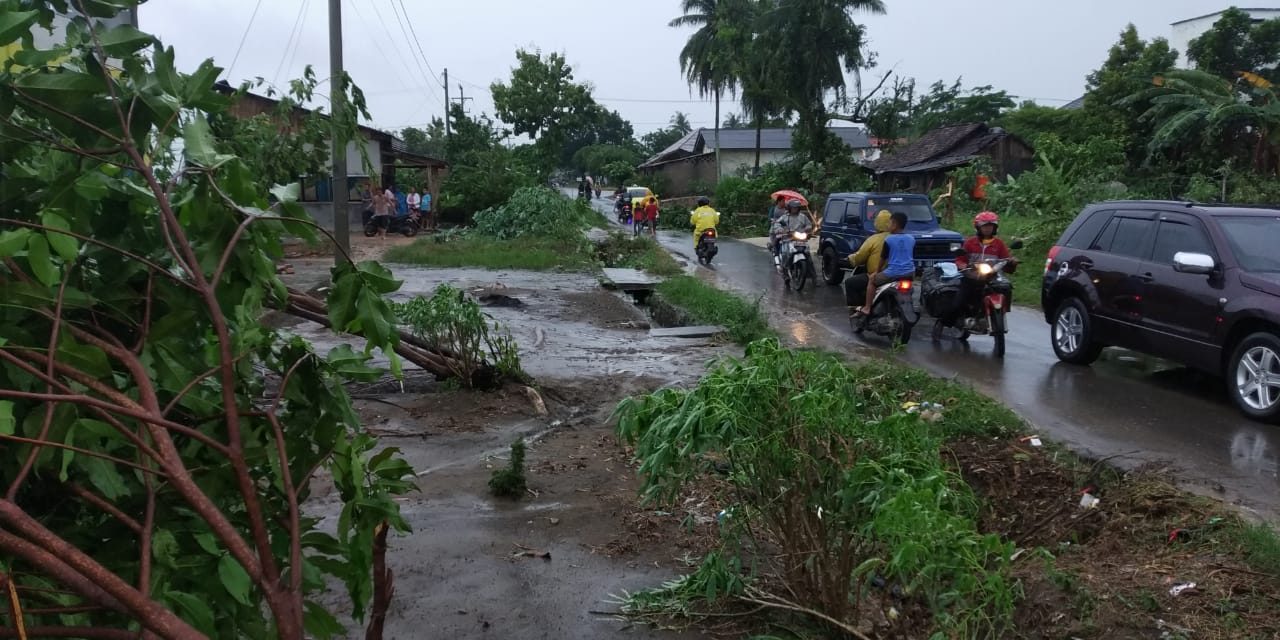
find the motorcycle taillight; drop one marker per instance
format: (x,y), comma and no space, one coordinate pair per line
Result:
(904,285)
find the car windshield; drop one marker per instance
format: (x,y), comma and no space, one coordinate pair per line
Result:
(1253,240)
(916,210)
(637,192)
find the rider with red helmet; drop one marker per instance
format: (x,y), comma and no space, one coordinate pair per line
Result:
(984,246)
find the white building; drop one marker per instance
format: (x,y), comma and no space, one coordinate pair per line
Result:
(1183,32)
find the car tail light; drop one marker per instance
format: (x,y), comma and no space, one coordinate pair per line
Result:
(1048,262)
(904,285)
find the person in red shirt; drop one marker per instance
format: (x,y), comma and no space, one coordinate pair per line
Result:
(650,213)
(984,246)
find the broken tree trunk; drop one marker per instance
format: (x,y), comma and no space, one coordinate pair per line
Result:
(439,362)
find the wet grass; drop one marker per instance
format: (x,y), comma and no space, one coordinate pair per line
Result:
(709,305)
(533,254)
(1259,545)
(627,251)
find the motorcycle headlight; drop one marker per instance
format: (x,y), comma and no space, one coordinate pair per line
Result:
(800,235)
(984,269)
(955,246)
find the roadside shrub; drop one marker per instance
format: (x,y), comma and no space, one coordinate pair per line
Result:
(535,211)
(487,179)
(509,482)
(830,486)
(455,324)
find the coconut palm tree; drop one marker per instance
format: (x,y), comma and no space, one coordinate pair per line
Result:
(707,59)
(1191,104)
(811,45)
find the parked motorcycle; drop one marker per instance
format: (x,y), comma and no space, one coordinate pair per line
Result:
(893,312)
(986,312)
(408,223)
(794,261)
(707,249)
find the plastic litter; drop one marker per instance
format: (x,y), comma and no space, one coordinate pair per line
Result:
(1179,589)
(1032,440)
(1089,501)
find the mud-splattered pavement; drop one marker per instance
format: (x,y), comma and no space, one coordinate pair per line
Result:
(463,572)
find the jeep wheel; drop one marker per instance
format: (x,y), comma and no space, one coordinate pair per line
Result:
(1253,376)
(1072,333)
(831,271)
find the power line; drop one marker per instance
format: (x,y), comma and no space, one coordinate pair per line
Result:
(302,8)
(377,43)
(408,40)
(417,43)
(244,37)
(297,44)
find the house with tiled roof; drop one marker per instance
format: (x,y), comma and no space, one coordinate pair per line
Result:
(922,165)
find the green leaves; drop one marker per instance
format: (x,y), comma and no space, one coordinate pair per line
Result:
(41,263)
(198,141)
(11,242)
(356,304)
(103,476)
(15,24)
(124,40)
(66,246)
(234,579)
(7,422)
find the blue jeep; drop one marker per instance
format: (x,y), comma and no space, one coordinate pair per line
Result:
(849,219)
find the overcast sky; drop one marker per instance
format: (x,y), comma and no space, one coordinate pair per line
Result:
(624,48)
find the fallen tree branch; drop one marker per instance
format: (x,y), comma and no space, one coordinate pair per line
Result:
(754,596)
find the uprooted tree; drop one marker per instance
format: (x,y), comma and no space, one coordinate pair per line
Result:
(157,442)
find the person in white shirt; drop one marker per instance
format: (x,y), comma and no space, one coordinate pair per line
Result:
(414,201)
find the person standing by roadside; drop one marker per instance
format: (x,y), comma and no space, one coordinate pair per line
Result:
(428,219)
(415,202)
(651,214)
(382,206)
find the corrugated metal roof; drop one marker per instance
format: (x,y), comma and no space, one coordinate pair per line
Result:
(703,140)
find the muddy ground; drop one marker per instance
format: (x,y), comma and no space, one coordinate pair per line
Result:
(466,570)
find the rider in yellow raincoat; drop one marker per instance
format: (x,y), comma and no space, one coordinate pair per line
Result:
(703,218)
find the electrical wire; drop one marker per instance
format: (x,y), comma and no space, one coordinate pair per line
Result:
(381,20)
(297,44)
(244,37)
(302,9)
(408,40)
(418,43)
(374,36)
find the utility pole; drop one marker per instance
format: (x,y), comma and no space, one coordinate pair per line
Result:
(447,132)
(337,106)
(462,98)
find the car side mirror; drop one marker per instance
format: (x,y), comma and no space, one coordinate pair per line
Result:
(1189,262)
(1016,244)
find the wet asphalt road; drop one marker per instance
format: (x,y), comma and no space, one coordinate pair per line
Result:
(1139,409)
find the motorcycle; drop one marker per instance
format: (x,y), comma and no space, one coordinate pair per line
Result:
(408,223)
(893,312)
(707,249)
(795,263)
(986,312)
(624,213)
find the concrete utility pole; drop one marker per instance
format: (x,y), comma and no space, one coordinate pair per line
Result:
(462,98)
(447,131)
(337,105)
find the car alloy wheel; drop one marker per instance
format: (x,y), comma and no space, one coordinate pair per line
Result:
(1258,378)
(1068,330)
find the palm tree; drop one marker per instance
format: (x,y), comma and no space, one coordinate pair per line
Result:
(1190,104)
(760,99)
(707,57)
(811,45)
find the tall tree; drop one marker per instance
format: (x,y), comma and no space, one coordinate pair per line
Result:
(707,59)
(543,101)
(429,141)
(762,100)
(1235,44)
(655,141)
(1128,69)
(950,104)
(812,45)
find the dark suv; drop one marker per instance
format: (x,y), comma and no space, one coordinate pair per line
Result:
(849,219)
(1196,284)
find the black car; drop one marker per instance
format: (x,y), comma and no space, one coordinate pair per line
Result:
(1195,284)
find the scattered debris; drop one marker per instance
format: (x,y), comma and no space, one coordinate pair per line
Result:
(1088,501)
(499,300)
(1179,589)
(539,407)
(1031,440)
(928,411)
(529,552)
(554,521)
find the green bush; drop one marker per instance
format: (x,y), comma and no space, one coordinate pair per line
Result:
(455,324)
(828,484)
(536,211)
(487,179)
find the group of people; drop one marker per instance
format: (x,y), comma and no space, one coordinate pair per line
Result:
(381,206)
(587,186)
